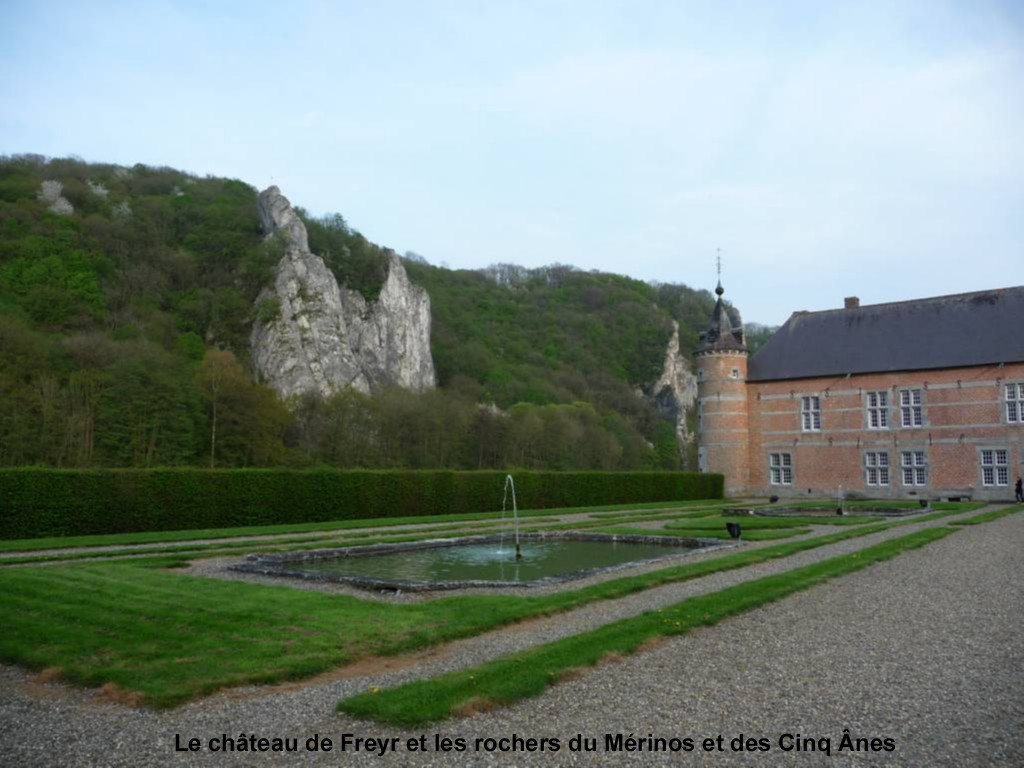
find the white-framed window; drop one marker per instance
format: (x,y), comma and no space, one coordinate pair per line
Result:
(810,413)
(734,373)
(876,468)
(914,467)
(911,408)
(995,467)
(780,468)
(1014,392)
(878,410)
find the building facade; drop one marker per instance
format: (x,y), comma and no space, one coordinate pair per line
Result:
(915,399)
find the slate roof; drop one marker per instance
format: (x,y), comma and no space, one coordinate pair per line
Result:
(965,329)
(720,335)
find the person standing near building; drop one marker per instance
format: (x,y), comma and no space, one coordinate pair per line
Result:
(1018,490)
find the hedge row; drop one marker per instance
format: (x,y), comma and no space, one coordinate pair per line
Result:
(54,502)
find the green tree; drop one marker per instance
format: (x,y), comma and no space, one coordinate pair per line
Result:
(150,413)
(23,357)
(245,421)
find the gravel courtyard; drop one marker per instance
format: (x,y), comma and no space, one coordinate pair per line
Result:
(925,649)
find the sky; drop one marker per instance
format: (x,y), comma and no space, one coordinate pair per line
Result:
(828,149)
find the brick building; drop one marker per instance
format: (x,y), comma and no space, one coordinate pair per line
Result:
(914,399)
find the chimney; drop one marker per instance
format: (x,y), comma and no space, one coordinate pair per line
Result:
(851,302)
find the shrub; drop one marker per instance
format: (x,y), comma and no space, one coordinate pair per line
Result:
(55,502)
(268,310)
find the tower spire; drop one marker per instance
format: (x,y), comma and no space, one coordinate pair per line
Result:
(719,290)
(720,334)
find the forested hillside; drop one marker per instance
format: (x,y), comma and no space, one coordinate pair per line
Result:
(127,298)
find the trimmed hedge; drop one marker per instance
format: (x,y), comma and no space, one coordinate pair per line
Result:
(56,502)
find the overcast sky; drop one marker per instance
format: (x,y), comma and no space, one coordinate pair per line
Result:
(827,148)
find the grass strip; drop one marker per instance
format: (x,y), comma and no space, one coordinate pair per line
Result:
(227,548)
(930,516)
(751,522)
(986,517)
(849,503)
(960,506)
(156,537)
(529,673)
(639,517)
(328,540)
(762,534)
(701,506)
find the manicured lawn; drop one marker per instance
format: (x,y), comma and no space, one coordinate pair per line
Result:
(985,517)
(170,637)
(528,674)
(189,551)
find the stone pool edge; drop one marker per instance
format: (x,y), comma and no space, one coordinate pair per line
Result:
(279,564)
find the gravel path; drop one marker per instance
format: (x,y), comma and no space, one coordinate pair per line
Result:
(931,657)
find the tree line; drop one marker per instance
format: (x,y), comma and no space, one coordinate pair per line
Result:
(124,341)
(90,401)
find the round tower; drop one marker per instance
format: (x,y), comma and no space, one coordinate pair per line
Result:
(722,419)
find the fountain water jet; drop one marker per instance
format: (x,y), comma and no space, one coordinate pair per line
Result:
(509,482)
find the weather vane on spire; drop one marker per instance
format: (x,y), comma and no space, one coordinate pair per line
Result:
(718,265)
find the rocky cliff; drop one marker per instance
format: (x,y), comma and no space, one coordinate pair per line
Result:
(313,335)
(675,391)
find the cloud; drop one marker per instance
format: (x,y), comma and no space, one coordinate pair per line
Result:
(866,147)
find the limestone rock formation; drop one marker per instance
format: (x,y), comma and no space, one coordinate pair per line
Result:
(391,336)
(675,391)
(325,337)
(277,215)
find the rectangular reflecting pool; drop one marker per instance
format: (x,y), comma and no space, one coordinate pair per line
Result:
(475,561)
